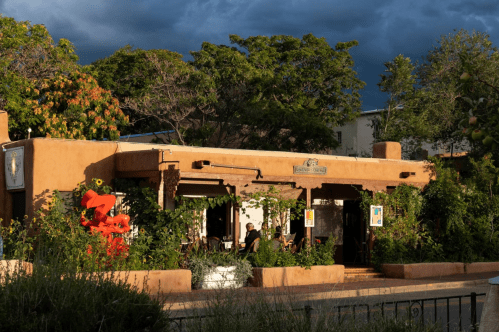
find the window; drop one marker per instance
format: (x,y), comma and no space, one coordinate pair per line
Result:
(338,138)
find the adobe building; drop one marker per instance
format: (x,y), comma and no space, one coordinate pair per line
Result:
(33,168)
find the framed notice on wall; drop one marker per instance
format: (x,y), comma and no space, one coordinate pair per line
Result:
(376,218)
(14,168)
(309,218)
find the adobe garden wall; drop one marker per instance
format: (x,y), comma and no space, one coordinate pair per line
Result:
(425,270)
(296,276)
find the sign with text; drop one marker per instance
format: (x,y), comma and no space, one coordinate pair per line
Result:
(309,218)
(376,219)
(310,166)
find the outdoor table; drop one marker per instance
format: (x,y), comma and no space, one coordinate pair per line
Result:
(227,245)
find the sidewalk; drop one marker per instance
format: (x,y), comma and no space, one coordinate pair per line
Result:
(369,287)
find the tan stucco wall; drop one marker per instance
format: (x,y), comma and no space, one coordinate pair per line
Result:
(297,276)
(274,165)
(61,164)
(51,164)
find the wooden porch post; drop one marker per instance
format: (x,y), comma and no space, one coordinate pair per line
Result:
(308,230)
(235,219)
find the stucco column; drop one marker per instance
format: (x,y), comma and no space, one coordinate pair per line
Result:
(161,189)
(235,219)
(308,230)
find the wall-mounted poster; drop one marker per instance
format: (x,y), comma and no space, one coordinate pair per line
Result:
(309,218)
(376,219)
(14,168)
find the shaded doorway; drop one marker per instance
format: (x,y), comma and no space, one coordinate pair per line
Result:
(297,226)
(216,221)
(353,233)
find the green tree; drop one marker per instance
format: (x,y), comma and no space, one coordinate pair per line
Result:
(152,87)
(279,92)
(74,106)
(436,103)
(28,56)
(41,87)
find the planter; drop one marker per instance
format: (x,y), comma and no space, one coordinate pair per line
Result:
(155,281)
(221,277)
(482,267)
(421,270)
(12,267)
(296,275)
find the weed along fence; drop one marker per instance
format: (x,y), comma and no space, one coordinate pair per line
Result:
(453,313)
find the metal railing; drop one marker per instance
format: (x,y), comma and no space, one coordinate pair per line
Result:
(415,309)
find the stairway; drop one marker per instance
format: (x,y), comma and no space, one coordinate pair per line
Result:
(357,273)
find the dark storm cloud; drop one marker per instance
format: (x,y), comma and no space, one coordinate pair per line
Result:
(475,7)
(383,28)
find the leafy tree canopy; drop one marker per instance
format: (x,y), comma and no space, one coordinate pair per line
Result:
(279,92)
(147,84)
(74,106)
(39,81)
(431,101)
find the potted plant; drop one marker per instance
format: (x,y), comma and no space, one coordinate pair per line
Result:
(214,270)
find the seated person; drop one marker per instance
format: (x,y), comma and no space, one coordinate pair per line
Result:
(251,235)
(279,236)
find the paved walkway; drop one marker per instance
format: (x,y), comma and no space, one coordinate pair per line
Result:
(369,287)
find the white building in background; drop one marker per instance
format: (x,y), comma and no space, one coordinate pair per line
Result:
(356,139)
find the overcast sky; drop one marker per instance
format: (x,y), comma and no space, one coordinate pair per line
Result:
(383,28)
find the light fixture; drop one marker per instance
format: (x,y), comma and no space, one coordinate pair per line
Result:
(29,132)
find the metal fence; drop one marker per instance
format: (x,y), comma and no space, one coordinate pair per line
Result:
(421,310)
(416,309)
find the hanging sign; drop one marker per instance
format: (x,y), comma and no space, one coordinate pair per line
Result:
(14,168)
(309,218)
(376,218)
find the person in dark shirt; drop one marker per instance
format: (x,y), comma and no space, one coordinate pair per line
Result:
(251,235)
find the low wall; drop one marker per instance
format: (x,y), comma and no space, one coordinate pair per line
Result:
(12,266)
(296,275)
(425,270)
(155,281)
(482,267)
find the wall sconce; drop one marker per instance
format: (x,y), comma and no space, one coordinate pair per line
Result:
(29,133)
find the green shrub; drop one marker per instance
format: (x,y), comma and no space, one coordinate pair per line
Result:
(205,262)
(45,301)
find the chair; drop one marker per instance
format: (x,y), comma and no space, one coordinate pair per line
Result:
(254,245)
(204,242)
(290,237)
(276,244)
(298,247)
(214,243)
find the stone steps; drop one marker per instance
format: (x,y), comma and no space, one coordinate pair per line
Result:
(353,274)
